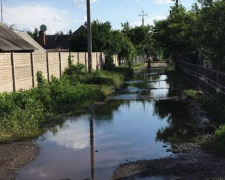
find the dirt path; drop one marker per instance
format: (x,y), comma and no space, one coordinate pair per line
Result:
(15,155)
(190,162)
(194,164)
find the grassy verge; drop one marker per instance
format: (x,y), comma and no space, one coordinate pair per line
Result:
(139,66)
(26,114)
(216,142)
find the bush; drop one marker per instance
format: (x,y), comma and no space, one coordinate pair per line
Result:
(25,114)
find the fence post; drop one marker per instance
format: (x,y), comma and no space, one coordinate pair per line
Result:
(70,57)
(85,61)
(47,64)
(32,67)
(78,57)
(60,65)
(13,72)
(206,78)
(96,60)
(197,74)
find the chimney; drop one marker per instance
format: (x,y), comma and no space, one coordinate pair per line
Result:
(41,38)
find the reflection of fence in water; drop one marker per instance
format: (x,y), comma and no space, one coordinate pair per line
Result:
(209,80)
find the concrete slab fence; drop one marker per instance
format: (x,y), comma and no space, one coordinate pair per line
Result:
(18,70)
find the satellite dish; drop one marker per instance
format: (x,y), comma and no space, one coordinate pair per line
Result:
(43,27)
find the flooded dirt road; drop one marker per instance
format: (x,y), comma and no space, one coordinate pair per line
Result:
(132,125)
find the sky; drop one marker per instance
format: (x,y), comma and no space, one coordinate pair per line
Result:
(63,15)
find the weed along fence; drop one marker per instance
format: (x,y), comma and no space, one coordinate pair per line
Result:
(18,70)
(209,80)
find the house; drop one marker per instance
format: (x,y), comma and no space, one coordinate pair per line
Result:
(80,29)
(58,42)
(10,41)
(29,39)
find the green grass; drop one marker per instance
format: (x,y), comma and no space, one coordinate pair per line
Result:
(139,66)
(216,142)
(27,114)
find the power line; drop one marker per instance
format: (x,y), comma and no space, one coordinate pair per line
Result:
(126,6)
(143,17)
(137,5)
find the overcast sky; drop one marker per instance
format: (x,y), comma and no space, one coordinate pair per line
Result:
(63,15)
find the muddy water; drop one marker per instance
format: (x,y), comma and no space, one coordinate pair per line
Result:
(90,146)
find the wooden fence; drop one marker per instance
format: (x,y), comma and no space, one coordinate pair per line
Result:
(18,70)
(209,80)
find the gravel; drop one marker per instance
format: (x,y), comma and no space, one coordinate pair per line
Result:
(14,156)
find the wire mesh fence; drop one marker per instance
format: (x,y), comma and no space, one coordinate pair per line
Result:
(209,80)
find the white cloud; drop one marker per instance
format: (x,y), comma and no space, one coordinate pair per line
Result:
(27,17)
(58,19)
(76,136)
(82,21)
(163,1)
(82,2)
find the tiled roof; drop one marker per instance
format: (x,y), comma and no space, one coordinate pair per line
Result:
(57,41)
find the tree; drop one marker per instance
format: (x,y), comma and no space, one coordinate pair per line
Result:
(59,33)
(106,40)
(212,24)
(178,33)
(70,32)
(205,3)
(34,34)
(140,36)
(79,42)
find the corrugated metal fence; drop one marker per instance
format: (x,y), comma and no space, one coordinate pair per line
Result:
(209,80)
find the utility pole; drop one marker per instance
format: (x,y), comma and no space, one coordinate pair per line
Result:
(143,17)
(177,2)
(2,10)
(1,13)
(89,36)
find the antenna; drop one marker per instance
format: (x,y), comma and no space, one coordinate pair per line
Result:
(43,28)
(143,17)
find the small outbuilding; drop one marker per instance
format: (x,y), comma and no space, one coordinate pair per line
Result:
(10,41)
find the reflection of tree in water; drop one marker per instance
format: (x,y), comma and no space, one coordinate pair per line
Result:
(180,124)
(104,114)
(53,126)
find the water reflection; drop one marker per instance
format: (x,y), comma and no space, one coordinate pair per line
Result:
(92,158)
(92,145)
(63,137)
(180,124)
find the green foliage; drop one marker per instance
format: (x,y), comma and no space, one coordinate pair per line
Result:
(40,78)
(25,114)
(217,142)
(176,34)
(70,61)
(187,33)
(78,69)
(34,34)
(20,113)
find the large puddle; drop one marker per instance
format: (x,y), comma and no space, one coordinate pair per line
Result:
(130,126)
